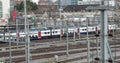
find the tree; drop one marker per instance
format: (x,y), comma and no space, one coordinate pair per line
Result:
(30,6)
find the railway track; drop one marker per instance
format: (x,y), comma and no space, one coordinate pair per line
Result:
(34,57)
(48,49)
(44,50)
(53,40)
(49,44)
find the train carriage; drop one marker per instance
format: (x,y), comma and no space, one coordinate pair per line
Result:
(56,33)
(45,33)
(36,34)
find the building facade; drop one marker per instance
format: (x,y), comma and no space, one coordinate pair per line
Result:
(95,2)
(0,9)
(69,2)
(74,2)
(4,10)
(45,2)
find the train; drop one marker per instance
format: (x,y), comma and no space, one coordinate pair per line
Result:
(38,34)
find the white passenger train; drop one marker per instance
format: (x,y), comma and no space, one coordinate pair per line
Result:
(36,34)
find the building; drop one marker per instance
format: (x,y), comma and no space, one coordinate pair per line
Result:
(67,2)
(45,2)
(16,1)
(0,9)
(95,2)
(45,6)
(74,2)
(4,10)
(36,1)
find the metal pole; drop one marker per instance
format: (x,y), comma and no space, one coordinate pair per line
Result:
(114,34)
(27,50)
(74,26)
(97,42)
(104,34)
(10,53)
(60,9)
(88,43)
(67,38)
(4,34)
(17,32)
(79,28)
(61,22)
(10,48)
(104,37)
(109,50)
(97,46)
(74,35)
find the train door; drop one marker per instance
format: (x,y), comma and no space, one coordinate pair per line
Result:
(78,31)
(18,36)
(61,33)
(51,31)
(96,30)
(39,35)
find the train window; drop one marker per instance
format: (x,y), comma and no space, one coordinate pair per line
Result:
(82,29)
(48,32)
(55,31)
(45,33)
